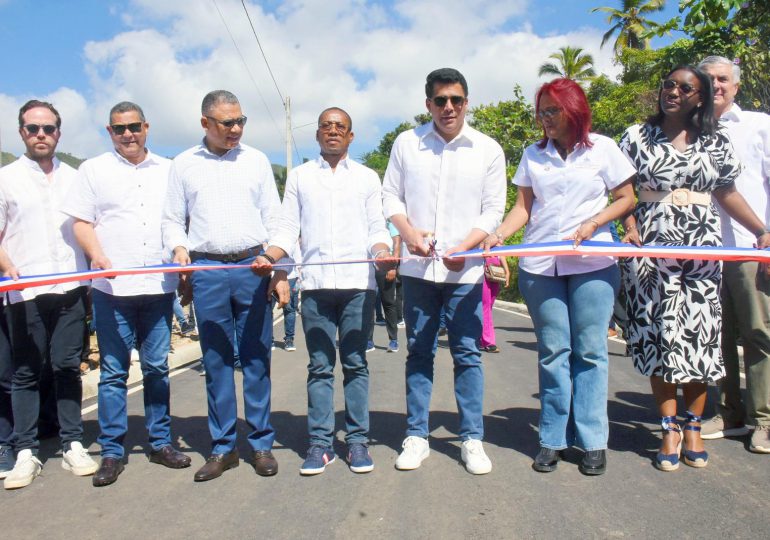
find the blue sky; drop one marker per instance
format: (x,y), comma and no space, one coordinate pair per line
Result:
(369,57)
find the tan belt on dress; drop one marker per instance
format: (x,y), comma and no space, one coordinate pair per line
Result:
(678,197)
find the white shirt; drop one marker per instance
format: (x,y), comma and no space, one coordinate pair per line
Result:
(567,193)
(340,215)
(231,200)
(124,202)
(34,233)
(750,135)
(448,188)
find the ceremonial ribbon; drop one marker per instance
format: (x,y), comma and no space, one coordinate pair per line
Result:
(563,248)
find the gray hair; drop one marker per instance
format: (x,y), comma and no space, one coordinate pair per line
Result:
(721,60)
(127,106)
(215,97)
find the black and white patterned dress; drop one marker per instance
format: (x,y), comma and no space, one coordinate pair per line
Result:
(673,306)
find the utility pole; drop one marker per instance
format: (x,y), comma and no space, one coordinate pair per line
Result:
(288,135)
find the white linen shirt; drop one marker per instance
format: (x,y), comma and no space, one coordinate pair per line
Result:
(567,193)
(448,188)
(231,200)
(124,202)
(750,135)
(34,233)
(339,213)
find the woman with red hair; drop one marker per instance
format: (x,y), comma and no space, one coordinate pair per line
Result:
(563,185)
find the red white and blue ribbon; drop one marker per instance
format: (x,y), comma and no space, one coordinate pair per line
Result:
(563,248)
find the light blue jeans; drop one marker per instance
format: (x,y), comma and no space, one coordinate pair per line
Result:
(571,315)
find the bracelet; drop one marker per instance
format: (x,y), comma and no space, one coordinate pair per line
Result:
(630,228)
(380,252)
(762,233)
(268,257)
(499,235)
(592,220)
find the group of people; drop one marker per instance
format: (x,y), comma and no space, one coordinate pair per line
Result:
(443,193)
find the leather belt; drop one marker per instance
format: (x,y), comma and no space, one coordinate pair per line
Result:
(677,197)
(227,257)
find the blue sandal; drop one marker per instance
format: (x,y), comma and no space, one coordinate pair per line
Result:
(692,458)
(669,462)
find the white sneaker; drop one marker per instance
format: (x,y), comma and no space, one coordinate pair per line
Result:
(476,461)
(26,469)
(415,450)
(77,460)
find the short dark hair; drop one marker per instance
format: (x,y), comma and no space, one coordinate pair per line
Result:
(127,106)
(33,104)
(570,96)
(340,109)
(702,118)
(444,76)
(215,97)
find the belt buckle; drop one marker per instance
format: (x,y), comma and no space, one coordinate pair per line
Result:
(680,197)
(230,258)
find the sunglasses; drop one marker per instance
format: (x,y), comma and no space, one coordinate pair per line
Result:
(327,126)
(48,129)
(229,124)
(120,129)
(685,88)
(548,113)
(440,101)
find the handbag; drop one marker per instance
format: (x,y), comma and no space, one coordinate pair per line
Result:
(494,273)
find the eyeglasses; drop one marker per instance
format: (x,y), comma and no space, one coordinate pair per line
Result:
(685,88)
(327,126)
(230,123)
(120,129)
(48,129)
(549,113)
(440,101)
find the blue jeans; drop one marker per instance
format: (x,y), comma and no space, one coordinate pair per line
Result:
(571,315)
(232,308)
(423,301)
(290,310)
(123,321)
(324,313)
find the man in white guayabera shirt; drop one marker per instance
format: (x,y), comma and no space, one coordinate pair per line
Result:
(46,323)
(445,181)
(117,202)
(745,290)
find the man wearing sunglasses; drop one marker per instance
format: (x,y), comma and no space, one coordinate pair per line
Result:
(117,203)
(444,190)
(226,192)
(46,323)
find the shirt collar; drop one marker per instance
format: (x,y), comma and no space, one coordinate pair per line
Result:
(732,114)
(205,149)
(464,135)
(149,159)
(32,164)
(322,163)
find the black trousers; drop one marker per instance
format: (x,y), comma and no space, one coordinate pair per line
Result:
(6,371)
(389,304)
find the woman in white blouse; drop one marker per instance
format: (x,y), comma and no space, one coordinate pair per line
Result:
(563,184)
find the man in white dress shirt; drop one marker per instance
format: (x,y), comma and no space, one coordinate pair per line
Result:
(444,190)
(745,291)
(337,204)
(45,323)
(222,206)
(117,202)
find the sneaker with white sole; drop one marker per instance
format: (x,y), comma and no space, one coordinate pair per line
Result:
(474,457)
(393,346)
(415,449)
(318,457)
(77,460)
(760,440)
(24,472)
(717,427)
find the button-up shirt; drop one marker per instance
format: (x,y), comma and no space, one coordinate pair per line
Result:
(340,215)
(447,188)
(750,135)
(124,202)
(567,193)
(34,233)
(230,200)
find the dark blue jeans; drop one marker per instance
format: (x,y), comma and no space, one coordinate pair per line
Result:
(6,372)
(290,310)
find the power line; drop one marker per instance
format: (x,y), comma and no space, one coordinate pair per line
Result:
(243,3)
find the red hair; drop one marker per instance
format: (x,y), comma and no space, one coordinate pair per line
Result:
(572,99)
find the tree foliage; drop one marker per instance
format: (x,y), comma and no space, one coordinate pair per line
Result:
(571,63)
(630,24)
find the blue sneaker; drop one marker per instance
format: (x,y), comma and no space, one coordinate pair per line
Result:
(369,346)
(393,346)
(318,457)
(359,459)
(7,461)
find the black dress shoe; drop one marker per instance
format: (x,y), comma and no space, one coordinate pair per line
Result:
(215,465)
(108,472)
(594,462)
(546,460)
(265,463)
(167,456)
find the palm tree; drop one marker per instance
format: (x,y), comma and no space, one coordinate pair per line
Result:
(572,63)
(630,24)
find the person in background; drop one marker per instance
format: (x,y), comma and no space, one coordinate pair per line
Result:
(489,292)
(290,309)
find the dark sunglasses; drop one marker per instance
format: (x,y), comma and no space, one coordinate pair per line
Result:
(440,101)
(685,88)
(48,129)
(120,129)
(229,124)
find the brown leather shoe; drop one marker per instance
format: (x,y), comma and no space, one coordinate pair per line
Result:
(215,465)
(167,456)
(108,472)
(265,463)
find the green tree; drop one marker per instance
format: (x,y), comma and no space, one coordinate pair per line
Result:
(571,63)
(630,24)
(377,159)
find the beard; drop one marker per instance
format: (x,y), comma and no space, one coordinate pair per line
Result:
(36,153)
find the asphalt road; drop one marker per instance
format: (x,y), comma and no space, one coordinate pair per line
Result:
(730,498)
